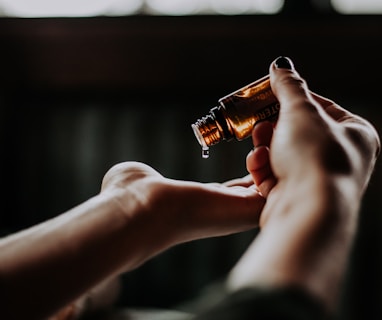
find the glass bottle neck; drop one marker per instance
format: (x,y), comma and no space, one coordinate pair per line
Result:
(212,128)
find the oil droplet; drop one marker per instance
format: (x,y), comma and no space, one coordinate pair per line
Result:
(205,152)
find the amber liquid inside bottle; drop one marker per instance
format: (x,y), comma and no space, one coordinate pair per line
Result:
(237,113)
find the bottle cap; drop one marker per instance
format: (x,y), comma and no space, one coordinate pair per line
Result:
(207,131)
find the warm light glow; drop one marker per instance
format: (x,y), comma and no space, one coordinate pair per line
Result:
(63,8)
(175,7)
(124,7)
(228,7)
(246,6)
(83,8)
(358,6)
(78,8)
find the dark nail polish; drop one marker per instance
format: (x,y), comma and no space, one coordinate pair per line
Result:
(283,63)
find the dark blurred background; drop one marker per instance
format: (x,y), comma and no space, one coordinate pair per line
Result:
(81,94)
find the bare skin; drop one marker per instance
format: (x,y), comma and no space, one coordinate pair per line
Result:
(138,214)
(310,211)
(313,168)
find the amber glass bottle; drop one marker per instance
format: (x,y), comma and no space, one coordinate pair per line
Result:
(236,114)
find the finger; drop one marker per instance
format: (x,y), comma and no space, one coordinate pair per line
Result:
(216,210)
(246,181)
(258,165)
(262,134)
(289,88)
(361,131)
(336,112)
(258,161)
(301,117)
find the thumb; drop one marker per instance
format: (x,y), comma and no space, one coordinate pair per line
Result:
(287,85)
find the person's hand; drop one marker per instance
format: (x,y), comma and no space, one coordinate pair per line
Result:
(137,214)
(313,167)
(98,299)
(168,212)
(313,136)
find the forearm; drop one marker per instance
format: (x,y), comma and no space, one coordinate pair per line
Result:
(306,242)
(50,265)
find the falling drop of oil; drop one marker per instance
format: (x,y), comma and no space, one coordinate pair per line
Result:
(205,152)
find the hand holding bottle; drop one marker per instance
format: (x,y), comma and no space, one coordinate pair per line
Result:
(314,139)
(313,168)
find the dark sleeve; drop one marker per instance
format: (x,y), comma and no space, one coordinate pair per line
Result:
(259,304)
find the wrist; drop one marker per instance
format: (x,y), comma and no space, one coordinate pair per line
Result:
(306,238)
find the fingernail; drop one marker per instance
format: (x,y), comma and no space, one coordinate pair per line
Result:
(283,63)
